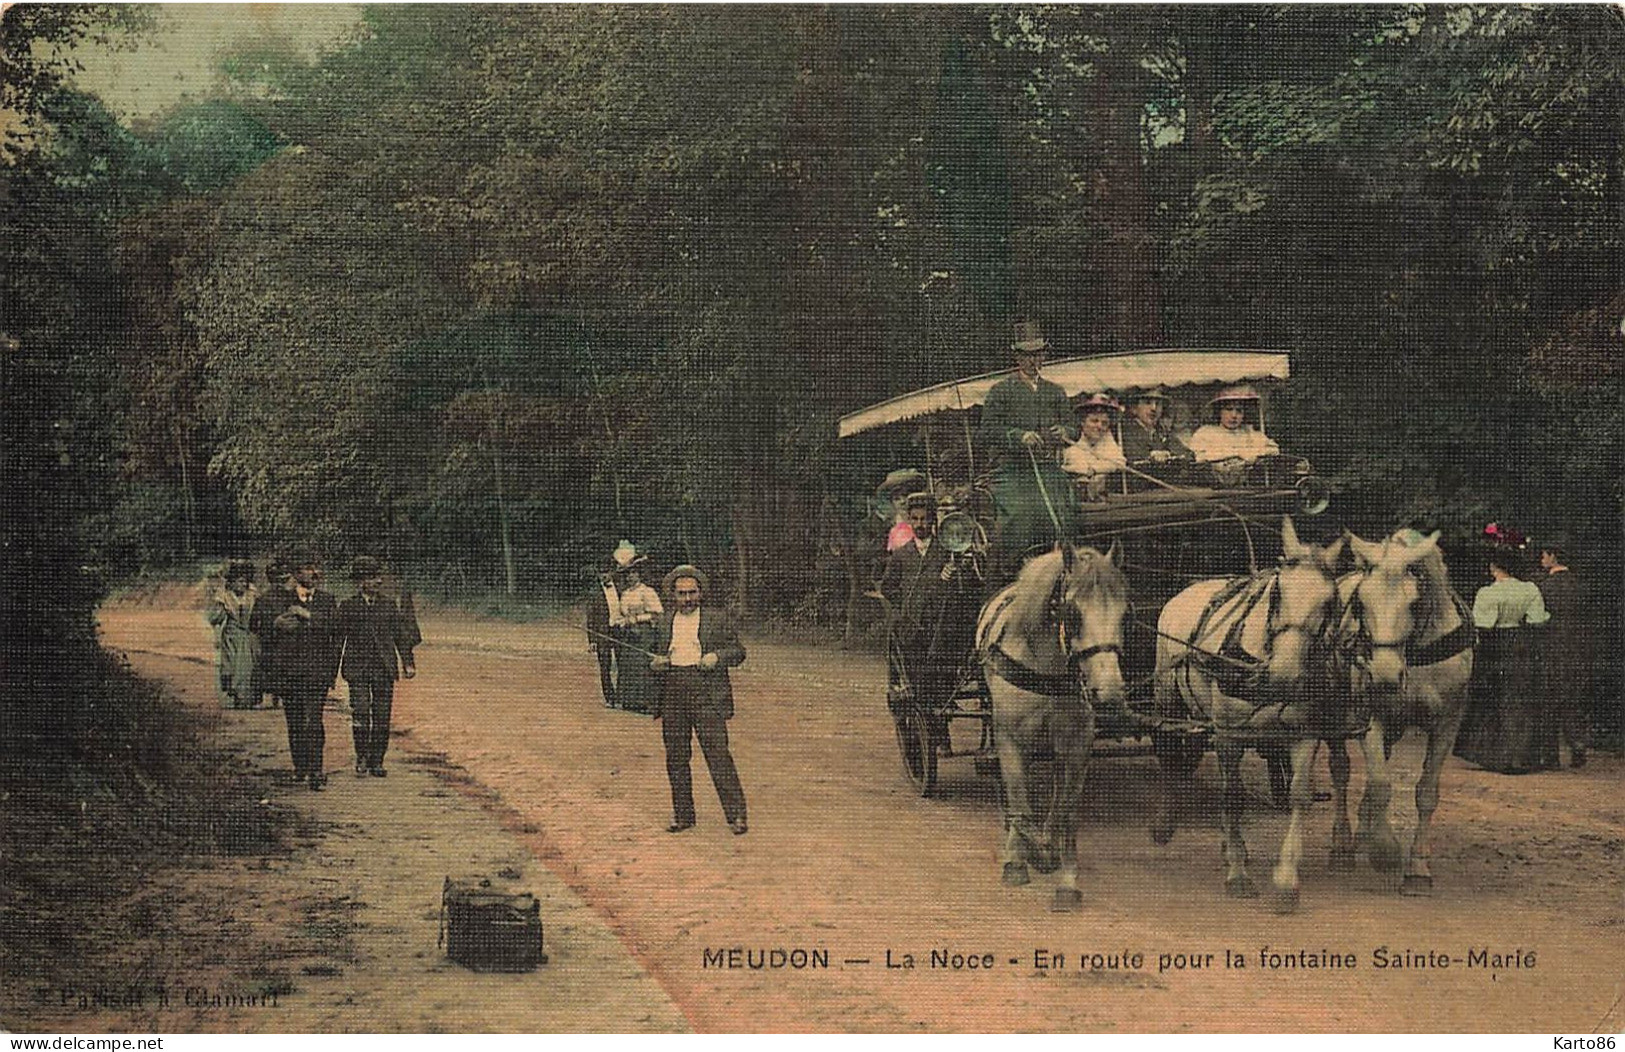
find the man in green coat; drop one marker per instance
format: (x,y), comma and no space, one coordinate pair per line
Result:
(1025,420)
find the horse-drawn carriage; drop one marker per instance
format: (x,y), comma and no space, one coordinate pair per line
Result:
(1173,522)
(1206,621)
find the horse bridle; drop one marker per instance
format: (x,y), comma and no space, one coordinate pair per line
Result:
(1274,628)
(1059,609)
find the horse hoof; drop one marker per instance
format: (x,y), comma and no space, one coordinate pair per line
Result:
(1342,860)
(1015,874)
(1240,888)
(1162,834)
(1284,900)
(1385,855)
(1067,900)
(1416,884)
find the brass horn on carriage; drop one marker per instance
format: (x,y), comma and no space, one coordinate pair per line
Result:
(1314,495)
(958,532)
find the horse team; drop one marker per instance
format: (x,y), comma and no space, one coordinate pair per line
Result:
(1301,654)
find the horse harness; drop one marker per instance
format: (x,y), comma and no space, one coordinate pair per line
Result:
(1050,684)
(1360,644)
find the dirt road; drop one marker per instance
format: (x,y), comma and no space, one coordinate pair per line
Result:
(842,859)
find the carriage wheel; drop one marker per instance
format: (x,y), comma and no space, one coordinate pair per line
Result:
(918,747)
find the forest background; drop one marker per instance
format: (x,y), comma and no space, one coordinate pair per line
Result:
(482,290)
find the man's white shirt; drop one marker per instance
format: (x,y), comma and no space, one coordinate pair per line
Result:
(685,640)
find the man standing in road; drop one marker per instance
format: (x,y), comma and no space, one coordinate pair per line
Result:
(695,647)
(303,654)
(377,641)
(603,614)
(1567,659)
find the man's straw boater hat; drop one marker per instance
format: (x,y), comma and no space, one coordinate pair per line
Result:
(903,480)
(669,584)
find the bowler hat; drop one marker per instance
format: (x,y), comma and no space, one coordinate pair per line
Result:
(364,567)
(236,570)
(686,570)
(920,500)
(1155,394)
(1029,337)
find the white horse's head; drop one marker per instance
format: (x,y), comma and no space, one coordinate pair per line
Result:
(1093,600)
(1068,606)
(1385,602)
(1300,604)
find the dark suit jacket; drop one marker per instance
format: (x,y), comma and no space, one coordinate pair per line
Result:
(717,637)
(1138,443)
(912,582)
(1567,638)
(597,614)
(304,652)
(377,639)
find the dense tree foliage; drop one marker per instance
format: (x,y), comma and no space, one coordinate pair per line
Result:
(487,288)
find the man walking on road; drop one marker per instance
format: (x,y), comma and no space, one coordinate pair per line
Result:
(377,640)
(695,647)
(303,656)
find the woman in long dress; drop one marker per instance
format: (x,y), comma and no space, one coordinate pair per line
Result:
(640,606)
(1501,731)
(237,649)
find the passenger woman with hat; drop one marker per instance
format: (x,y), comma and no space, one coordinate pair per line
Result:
(1232,436)
(1096,452)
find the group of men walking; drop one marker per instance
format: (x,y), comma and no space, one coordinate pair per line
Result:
(294,640)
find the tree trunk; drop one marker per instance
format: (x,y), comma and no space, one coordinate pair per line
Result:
(188,504)
(510,577)
(1129,262)
(742,537)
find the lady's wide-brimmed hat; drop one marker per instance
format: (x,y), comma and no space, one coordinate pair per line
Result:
(626,556)
(903,480)
(1237,393)
(1100,401)
(686,570)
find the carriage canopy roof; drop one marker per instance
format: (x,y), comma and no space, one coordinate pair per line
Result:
(1133,371)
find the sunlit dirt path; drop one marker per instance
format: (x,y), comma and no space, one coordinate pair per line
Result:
(842,858)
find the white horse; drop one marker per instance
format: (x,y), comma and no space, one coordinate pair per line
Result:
(1248,654)
(1051,643)
(1409,646)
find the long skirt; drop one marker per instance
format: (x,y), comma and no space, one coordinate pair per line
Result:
(239,656)
(1506,727)
(635,689)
